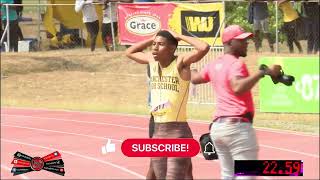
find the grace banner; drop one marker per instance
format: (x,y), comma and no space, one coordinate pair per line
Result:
(138,22)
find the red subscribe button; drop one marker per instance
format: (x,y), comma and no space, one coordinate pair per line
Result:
(160,147)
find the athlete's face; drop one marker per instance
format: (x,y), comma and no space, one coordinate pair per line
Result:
(162,48)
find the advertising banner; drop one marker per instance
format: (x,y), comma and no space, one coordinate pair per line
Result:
(141,21)
(302,96)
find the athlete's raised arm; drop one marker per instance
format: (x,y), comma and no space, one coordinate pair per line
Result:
(136,53)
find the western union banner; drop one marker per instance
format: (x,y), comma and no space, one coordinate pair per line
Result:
(140,21)
(202,20)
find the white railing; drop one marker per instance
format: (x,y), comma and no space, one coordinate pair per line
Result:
(201,94)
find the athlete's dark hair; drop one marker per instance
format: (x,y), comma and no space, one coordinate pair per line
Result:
(168,36)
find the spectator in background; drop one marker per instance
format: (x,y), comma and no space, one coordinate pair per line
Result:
(63,41)
(19,10)
(290,19)
(260,17)
(90,19)
(65,30)
(1,29)
(310,10)
(1,32)
(13,23)
(106,29)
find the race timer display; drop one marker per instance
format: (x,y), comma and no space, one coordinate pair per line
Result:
(268,168)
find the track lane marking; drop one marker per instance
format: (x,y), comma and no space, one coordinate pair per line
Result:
(62,132)
(78,155)
(97,137)
(22,176)
(117,140)
(146,116)
(86,122)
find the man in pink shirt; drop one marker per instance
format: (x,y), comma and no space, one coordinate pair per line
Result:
(232,132)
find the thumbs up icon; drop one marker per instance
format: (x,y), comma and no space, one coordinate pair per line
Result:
(109,147)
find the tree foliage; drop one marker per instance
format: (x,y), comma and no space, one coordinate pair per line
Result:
(237,13)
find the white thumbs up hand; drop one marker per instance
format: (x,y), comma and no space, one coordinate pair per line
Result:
(109,147)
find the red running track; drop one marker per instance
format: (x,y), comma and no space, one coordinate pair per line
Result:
(79,136)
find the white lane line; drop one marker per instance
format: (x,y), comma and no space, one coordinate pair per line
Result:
(288,150)
(265,129)
(195,135)
(78,155)
(146,116)
(71,120)
(285,132)
(22,176)
(62,132)
(133,127)
(75,134)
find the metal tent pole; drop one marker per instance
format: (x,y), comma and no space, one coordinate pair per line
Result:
(277,29)
(8,29)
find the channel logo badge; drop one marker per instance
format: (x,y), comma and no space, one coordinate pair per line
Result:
(23,163)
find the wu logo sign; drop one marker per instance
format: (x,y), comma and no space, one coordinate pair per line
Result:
(200,24)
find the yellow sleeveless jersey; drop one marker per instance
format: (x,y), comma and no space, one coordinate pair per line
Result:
(169,94)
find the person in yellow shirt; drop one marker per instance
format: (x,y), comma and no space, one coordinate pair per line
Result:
(63,41)
(55,43)
(169,82)
(290,20)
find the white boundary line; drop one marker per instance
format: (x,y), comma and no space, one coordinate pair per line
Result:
(282,149)
(195,135)
(286,132)
(146,116)
(78,155)
(134,127)
(22,176)
(71,120)
(97,137)
(75,134)
(62,132)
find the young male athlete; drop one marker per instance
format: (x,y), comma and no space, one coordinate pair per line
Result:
(232,132)
(169,82)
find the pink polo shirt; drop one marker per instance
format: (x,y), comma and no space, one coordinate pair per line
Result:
(220,72)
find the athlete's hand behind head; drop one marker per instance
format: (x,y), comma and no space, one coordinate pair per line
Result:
(175,35)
